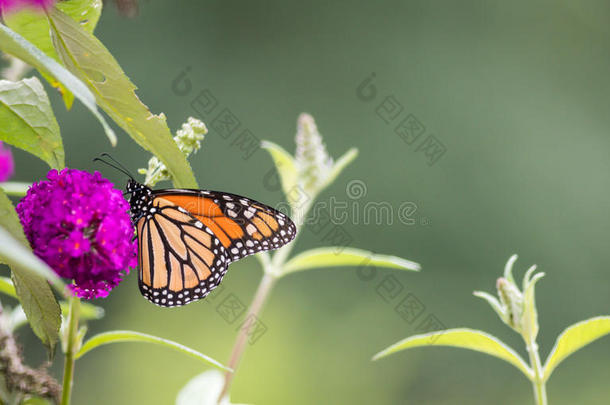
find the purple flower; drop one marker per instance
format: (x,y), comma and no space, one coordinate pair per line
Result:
(14,5)
(79,224)
(7,166)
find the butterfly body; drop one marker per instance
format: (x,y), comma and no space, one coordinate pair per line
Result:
(187,238)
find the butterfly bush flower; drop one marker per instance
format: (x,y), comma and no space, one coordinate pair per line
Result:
(78,223)
(188,138)
(7,166)
(14,5)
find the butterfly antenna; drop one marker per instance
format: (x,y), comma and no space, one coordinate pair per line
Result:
(116,164)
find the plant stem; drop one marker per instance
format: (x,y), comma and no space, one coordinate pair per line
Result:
(538,384)
(262,293)
(70,349)
(272,270)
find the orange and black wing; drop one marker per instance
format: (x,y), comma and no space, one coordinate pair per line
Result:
(243,226)
(180,259)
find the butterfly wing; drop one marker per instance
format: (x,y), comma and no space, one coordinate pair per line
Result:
(243,226)
(188,238)
(180,259)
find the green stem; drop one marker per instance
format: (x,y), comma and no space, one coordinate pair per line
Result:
(272,270)
(262,293)
(538,383)
(70,349)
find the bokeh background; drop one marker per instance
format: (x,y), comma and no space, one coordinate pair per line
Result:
(518,94)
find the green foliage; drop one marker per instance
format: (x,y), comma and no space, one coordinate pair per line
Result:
(305,173)
(87,311)
(29,276)
(203,389)
(119,336)
(15,188)
(522,303)
(28,121)
(463,338)
(86,57)
(35,28)
(575,338)
(284,163)
(339,257)
(14,44)
(7,287)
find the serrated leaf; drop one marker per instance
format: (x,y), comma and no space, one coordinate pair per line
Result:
(462,338)
(575,338)
(28,121)
(86,57)
(14,44)
(284,164)
(35,28)
(337,257)
(119,336)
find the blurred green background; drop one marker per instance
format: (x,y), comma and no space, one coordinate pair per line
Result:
(517,92)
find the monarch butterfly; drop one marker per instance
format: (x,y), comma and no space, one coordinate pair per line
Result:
(187,238)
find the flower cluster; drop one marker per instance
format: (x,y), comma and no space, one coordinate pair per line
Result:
(78,223)
(13,5)
(188,138)
(7,166)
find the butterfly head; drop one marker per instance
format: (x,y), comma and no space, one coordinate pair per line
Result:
(140,200)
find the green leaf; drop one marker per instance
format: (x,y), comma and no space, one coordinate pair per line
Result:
(7,287)
(508,268)
(86,312)
(130,336)
(284,164)
(336,257)
(462,338)
(37,401)
(574,338)
(15,248)
(494,303)
(15,188)
(35,28)
(14,44)
(9,219)
(28,121)
(347,158)
(86,56)
(529,319)
(35,296)
(203,389)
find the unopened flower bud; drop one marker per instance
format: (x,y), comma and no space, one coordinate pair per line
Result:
(313,162)
(512,300)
